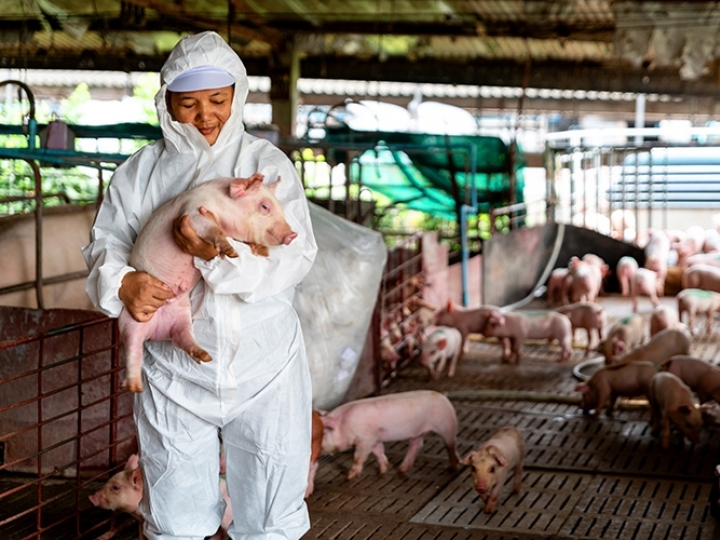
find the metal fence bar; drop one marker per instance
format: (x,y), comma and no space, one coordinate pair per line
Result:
(80,430)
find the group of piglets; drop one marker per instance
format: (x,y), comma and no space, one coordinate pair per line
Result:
(668,387)
(581,281)
(447,339)
(366,424)
(659,369)
(696,251)
(443,341)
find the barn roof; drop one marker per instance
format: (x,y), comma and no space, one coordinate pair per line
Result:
(593,45)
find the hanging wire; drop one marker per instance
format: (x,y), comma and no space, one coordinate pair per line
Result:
(230,17)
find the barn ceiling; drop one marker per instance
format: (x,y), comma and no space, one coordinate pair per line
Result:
(618,46)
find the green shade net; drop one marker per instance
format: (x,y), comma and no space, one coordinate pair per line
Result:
(417,169)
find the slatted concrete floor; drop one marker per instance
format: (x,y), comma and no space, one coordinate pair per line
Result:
(584,478)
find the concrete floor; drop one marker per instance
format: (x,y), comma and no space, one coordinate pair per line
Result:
(584,477)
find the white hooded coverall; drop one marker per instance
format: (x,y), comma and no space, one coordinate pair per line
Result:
(257,387)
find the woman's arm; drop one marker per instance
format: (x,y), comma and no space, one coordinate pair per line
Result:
(112,283)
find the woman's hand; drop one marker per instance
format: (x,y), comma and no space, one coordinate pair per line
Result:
(143,295)
(189,242)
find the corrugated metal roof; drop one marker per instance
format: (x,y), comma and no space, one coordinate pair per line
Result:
(631,40)
(349,88)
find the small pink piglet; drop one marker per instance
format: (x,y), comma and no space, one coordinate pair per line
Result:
(490,462)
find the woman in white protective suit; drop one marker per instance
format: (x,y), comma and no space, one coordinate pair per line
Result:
(257,387)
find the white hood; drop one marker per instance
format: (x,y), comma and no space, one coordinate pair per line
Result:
(205,49)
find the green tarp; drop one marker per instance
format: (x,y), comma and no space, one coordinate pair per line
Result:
(417,170)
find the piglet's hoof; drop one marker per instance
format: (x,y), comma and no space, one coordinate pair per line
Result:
(199,355)
(226,250)
(133,384)
(259,249)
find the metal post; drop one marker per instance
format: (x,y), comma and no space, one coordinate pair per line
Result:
(639,117)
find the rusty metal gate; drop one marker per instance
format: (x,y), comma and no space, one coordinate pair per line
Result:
(65,424)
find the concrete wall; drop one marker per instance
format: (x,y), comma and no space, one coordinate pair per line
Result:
(443,282)
(65,231)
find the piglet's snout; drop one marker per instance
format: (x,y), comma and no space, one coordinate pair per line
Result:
(289,237)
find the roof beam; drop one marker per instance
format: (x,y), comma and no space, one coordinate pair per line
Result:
(497,72)
(551,75)
(195,23)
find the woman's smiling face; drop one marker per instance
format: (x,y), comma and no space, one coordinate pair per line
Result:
(207,110)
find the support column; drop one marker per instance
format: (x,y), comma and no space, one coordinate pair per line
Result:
(284,73)
(639,118)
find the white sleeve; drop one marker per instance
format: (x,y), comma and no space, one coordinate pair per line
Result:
(111,238)
(255,277)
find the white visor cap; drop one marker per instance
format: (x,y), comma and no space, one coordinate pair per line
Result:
(201,78)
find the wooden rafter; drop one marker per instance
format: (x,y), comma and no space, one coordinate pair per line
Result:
(195,22)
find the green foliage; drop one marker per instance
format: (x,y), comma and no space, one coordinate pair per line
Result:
(70,107)
(78,185)
(397,223)
(148,85)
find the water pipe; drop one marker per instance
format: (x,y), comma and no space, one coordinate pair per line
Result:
(28,119)
(464,212)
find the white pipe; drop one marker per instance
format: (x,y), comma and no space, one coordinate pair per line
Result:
(639,117)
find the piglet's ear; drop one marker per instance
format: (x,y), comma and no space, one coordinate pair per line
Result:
(132,462)
(329,422)
(468,458)
(497,455)
(684,410)
(274,185)
(136,478)
(240,186)
(450,306)
(496,319)
(442,344)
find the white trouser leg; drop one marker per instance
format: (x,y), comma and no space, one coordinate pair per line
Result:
(180,462)
(268,458)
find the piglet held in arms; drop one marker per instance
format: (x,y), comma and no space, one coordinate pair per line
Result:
(367,423)
(245,209)
(490,462)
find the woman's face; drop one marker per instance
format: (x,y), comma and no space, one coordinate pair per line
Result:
(207,110)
